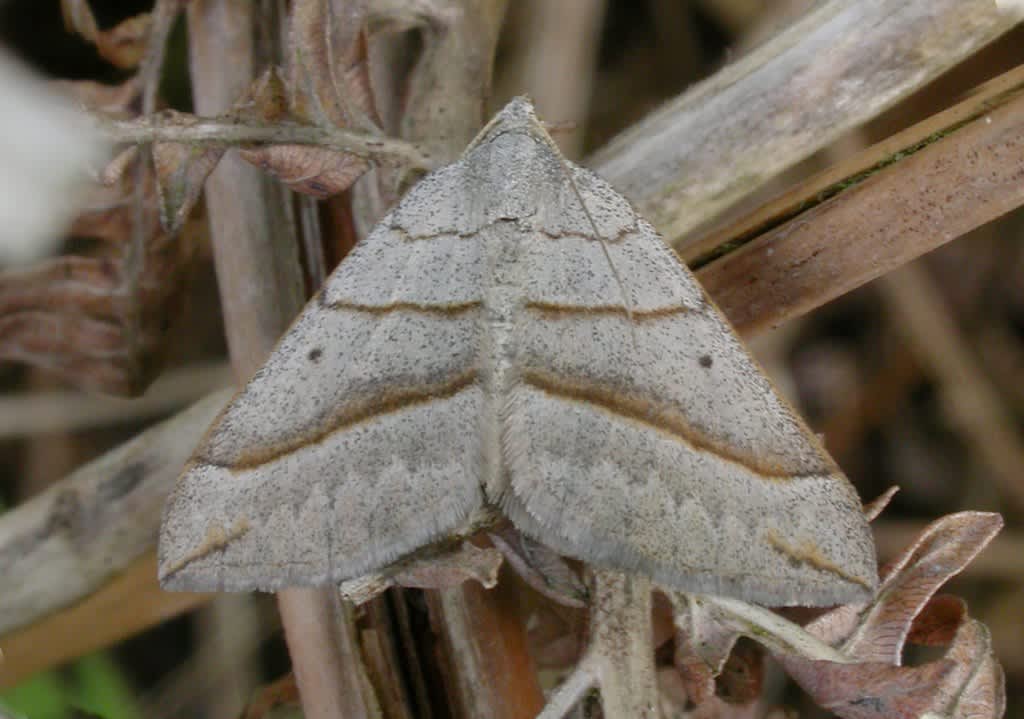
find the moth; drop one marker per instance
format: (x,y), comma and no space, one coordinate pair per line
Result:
(512,336)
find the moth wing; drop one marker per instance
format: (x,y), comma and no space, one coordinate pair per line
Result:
(642,436)
(356,443)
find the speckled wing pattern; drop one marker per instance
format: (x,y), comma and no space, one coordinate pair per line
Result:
(513,335)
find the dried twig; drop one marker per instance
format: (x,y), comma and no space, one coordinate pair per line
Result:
(61,411)
(703,246)
(841,65)
(261,291)
(556,61)
(216,132)
(128,604)
(954,183)
(68,541)
(619,660)
(490,672)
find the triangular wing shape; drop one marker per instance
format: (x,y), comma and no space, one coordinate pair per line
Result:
(356,443)
(513,334)
(639,433)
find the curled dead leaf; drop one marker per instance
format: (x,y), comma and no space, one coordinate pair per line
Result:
(877,630)
(904,609)
(181,172)
(309,170)
(876,506)
(100,321)
(871,690)
(328,69)
(849,659)
(447,569)
(123,45)
(266,99)
(540,567)
(315,171)
(703,645)
(976,688)
(937,623)
(115,169)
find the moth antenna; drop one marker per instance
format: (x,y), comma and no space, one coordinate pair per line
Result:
(607,255)
(604,245)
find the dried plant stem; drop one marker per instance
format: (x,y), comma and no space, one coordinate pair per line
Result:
(23,415)
(842,64)
(555,63)
(260,280)
(230,634)
(571,691)
(325,656)
(957,181)
(126,605)
(486,662)
(165,12)
(621,640)
(69,540)
(492,673)
(619,658)
(217,132)
(845,175)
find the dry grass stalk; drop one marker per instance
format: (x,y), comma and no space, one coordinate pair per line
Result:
(961,180)
(839,66)
(66,411)
(67,542)
(261,291)
(252,332)
(122,608)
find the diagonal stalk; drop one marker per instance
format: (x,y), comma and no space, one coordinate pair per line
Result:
(619,659)
(261,291)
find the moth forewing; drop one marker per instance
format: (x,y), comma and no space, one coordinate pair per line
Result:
(513,335)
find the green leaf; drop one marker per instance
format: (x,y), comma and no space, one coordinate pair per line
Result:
(103,689)
(44,696)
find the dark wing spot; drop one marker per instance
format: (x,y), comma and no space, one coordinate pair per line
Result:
(314,354)
(706,361)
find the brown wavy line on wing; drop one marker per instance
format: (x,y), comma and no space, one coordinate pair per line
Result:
(555,310)
(809,553)
(361,411)
(666,420)
(518,221)
(450,310)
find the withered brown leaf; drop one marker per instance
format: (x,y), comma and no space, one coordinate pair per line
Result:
(181,172)
(99,320)
(540,567)
(446,569)
(123,45)
(905,608)
(320,172)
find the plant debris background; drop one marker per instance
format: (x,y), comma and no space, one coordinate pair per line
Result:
(872,371)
